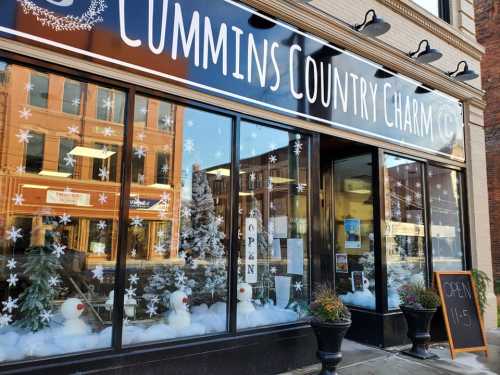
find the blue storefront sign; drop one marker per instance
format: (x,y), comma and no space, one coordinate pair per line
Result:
(227,49)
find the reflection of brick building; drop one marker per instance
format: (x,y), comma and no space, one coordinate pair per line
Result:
(72,134)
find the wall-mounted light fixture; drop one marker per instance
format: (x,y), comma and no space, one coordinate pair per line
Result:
(428,55)
(465,74)
(375,27)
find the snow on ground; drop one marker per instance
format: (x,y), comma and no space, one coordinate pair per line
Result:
(17,344)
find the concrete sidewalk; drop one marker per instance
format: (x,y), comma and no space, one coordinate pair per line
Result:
(360,360)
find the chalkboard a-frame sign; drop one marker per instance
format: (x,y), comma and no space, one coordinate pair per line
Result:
(462,315)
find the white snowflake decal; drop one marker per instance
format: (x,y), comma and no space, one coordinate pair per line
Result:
(108,131)
(103,199)
(25,113)
(54,280)
(9,305)
(101,225)
(58,250)
(98,273)
(24,136)
(130,292)
(46,315)
(104,174)
(136,221)
(133,279)
(164,168)
(20,169)
(11,264)
(76,102)
(13,279)
(298,286)
(133,253)
(18,200)
(141,136)
(162,214)
(65,219)
(5,320)
(29,87)
(301,188)
(297,148)
(14,234)
(73,130)
(273,270)
(189,145)
(273,159)
(186,212)
(152,310)
(253,177)
(107,103)
(160,248)
(140,152)
(69,160)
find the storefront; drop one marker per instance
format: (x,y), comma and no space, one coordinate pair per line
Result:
(177,176)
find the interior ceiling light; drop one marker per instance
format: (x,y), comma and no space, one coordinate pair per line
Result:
(465,74)
(428,55)
(375,27)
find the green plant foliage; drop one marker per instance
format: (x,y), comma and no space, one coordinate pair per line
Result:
(327,306)
(39,296)
(482,281)
(417,296)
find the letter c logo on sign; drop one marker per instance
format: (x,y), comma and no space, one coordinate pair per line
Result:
(61,3)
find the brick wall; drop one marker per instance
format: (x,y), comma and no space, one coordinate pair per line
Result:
(488,34)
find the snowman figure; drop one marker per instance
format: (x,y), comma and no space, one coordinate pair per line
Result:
(179,318)
(245,306)
(71,310)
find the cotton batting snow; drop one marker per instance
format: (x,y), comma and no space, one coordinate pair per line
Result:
(17,344)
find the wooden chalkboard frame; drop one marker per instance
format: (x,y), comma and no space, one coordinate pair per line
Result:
(454,350)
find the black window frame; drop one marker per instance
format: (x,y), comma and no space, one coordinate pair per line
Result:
(124,177)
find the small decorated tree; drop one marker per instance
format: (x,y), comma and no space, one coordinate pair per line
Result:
(37,300)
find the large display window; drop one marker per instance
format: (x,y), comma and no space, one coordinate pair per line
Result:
(273,273)
(59,214)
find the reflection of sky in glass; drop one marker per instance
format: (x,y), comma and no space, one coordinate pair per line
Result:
(429,5)
(395,161)
(206,142)
(257,140)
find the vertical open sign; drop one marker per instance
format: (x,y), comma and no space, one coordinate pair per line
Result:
(251,250)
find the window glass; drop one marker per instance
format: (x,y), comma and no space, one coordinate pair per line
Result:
(66,161)
(138,165)
(431,6)
(165,117)
(34,144)
(162,168)
(354,239)
(446,227)
(105,162)
(178,233)
(140,111)
(38,89)
(59,234)
(404,220)
(110,105)
(3,72)
(273,276)
(72,98)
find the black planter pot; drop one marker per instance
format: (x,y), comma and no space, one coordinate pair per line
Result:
(419,326)
(329,337)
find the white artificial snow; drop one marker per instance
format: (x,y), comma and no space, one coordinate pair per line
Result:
(17,344)
(360,298)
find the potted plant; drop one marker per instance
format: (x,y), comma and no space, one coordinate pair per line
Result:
(419,304)
(330,321)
